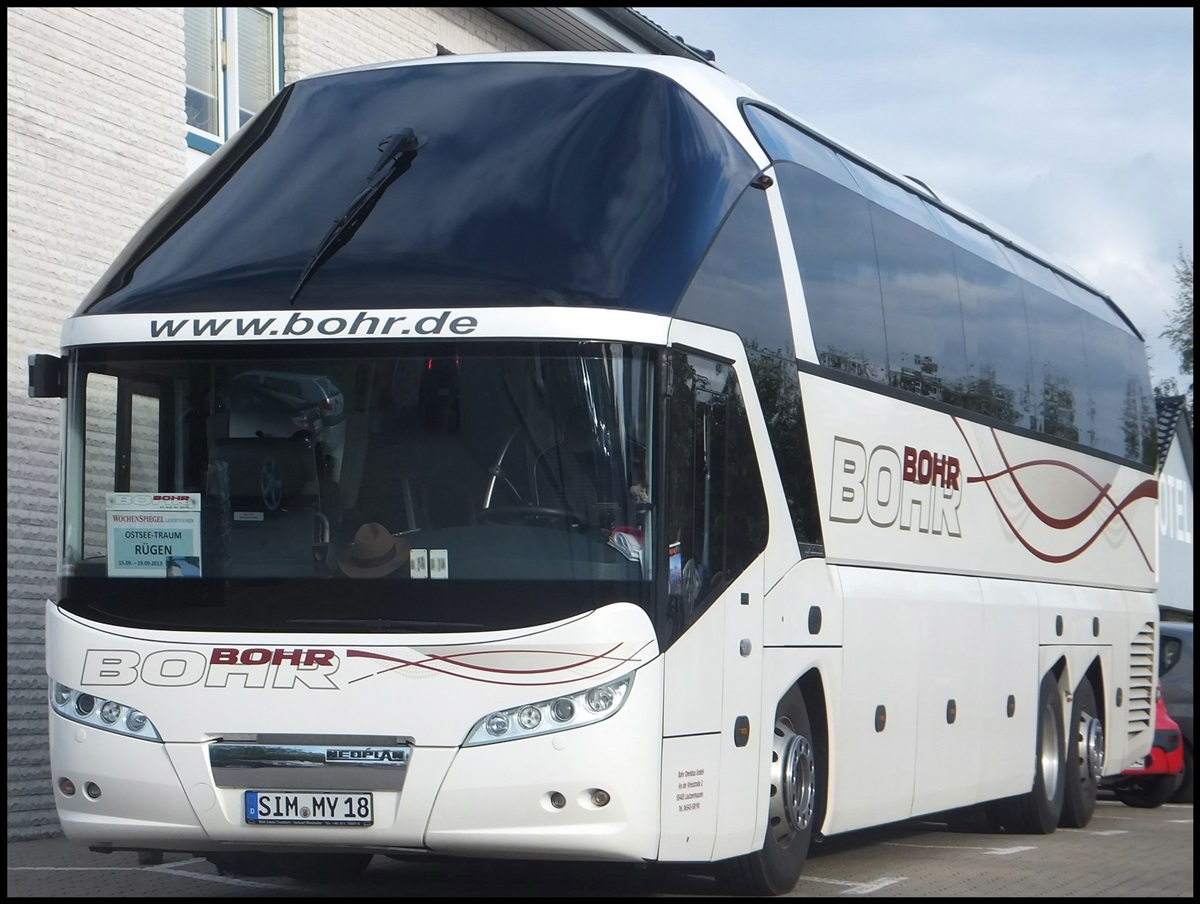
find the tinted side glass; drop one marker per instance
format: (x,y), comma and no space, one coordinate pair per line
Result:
(831,231)
(1061,389)
(996,331)
(783,141)
(1113,419)
(902,292)
(926,349)
(777,385)
(739,285)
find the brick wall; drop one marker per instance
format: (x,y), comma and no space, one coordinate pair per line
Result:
(95,143)
(95,128)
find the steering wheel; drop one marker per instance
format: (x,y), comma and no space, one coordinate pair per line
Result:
(535,513)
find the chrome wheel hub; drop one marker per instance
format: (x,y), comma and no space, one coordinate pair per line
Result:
(793,782)
(1092,746)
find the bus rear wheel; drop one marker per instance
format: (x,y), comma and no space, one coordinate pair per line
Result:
(1038,810)
(792,808)
(1085,759)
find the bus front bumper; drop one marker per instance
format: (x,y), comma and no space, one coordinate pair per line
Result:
(590,793)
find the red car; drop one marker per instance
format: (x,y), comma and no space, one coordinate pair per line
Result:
(1152,782)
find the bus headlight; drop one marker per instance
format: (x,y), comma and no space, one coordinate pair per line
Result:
(585,707)
(108,715)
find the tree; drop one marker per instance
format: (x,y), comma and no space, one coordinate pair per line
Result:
(1179,323)
(1179,326)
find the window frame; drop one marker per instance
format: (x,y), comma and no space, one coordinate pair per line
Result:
(228,91)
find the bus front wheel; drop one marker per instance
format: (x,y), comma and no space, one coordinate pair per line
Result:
(1037,811)
(792,807)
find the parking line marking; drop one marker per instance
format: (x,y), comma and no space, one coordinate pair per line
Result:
(858,888)
(176,864)
(963,847)
(1111,832)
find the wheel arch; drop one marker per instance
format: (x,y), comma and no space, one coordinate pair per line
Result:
(1095,676)
(1061,674)
(1071,675)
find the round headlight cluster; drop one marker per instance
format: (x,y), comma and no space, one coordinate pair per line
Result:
(109,715)
(568,711)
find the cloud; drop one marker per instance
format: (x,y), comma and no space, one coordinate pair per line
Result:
(1071,129)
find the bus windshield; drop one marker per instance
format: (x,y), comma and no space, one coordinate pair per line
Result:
(429,488)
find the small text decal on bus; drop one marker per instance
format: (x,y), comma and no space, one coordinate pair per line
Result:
(331,324)
(918,488)
(224,667)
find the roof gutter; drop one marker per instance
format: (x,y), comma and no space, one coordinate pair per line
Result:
(645,30)
(589,28)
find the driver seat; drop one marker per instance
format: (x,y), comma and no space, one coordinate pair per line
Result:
(578,473)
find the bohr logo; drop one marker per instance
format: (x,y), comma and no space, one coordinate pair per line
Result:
(914,489)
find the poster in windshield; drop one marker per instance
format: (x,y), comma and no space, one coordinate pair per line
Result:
(153,535)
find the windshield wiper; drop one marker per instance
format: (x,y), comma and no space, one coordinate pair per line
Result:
(387,624)
(398,153)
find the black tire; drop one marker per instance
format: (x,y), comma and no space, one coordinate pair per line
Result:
(794,808)
(1147,792)
(1183,794)
(1085,759)
(1038,810)
(323,867)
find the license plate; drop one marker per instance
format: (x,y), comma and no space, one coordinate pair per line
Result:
(310,808)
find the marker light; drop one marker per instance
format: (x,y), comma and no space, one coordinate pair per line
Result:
(109,715)
(591,705)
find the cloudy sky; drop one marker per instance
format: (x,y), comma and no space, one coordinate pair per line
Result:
(1070,128)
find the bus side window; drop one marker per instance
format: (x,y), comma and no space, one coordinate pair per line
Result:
(716,520)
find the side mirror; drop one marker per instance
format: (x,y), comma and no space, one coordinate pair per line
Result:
(47,377)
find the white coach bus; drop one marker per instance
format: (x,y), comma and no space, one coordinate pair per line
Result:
(576,456)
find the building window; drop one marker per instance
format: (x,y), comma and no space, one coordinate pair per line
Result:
(234,66)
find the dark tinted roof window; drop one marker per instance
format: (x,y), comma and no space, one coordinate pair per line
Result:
(535,183)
